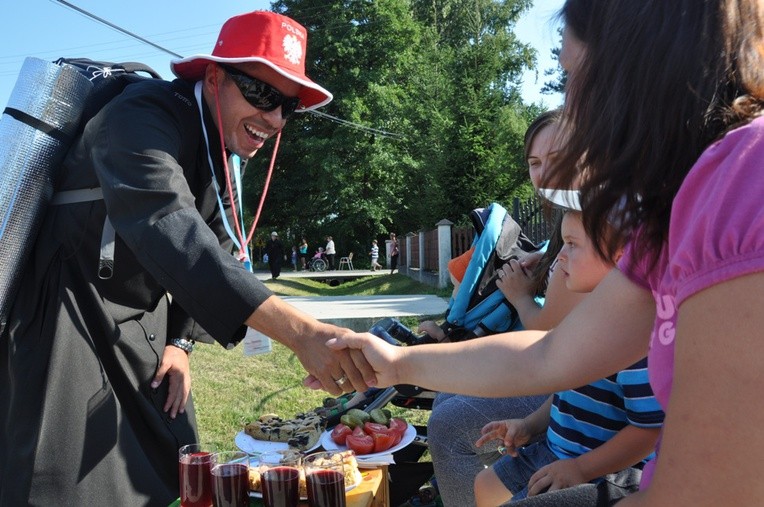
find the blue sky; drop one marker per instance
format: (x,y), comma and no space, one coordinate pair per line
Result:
(47,29)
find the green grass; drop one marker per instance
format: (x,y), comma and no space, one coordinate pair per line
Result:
(231,389)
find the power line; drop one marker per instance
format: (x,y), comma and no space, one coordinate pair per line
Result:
(371,130)
(115,27)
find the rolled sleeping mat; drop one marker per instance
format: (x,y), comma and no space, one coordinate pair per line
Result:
(36,131)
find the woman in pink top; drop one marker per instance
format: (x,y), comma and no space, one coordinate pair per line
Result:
(665,112)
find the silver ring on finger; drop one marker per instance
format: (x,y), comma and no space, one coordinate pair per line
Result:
(341,381)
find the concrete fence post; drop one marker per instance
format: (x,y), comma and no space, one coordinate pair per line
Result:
(421,256)
(444,251)
(408,252)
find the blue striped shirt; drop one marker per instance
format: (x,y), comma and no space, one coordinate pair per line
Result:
(587,417)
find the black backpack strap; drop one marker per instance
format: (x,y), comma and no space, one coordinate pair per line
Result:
(108,234)
(134,67)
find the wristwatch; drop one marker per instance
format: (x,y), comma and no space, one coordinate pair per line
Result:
(183,344)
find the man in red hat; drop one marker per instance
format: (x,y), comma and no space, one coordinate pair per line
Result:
(94,394)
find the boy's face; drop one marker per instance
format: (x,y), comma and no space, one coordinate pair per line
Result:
(578,260)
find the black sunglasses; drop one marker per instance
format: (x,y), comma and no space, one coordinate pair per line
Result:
(260,94)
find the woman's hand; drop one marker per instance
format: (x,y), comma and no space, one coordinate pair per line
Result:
(382,356)
(514,281)
(174,364)
(334,370)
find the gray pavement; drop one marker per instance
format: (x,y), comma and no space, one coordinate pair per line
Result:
(359,312)
(323,275)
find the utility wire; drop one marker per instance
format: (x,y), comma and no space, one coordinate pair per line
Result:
(378,132)
(115,27)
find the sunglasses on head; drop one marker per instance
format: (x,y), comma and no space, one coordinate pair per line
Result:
(260,94)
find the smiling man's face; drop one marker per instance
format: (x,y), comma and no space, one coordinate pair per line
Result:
(245,127)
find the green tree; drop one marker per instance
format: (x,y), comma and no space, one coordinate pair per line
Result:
(427,120)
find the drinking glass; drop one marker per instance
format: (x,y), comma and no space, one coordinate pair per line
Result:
(325,477)
(194,475)
(230,479)
(280,479)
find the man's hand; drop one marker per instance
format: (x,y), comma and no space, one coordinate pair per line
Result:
(560,474)
(335,371)
(513,433)
(380,356)
(175,364)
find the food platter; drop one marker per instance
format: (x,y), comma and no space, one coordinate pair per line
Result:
(327,443)
(253,446)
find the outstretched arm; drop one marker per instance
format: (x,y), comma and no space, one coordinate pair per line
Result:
(612,324)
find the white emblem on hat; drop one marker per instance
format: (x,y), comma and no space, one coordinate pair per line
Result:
(292,49)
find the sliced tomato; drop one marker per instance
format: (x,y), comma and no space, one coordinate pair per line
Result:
(340,433)
(360,444)
(358,431)
(383,441)
(371,428)
(398,425)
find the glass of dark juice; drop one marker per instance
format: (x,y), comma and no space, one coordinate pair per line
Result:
(230,479)
(280,479)
(325,477)
(194,475)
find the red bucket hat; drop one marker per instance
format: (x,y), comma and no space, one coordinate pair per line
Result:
(265,37)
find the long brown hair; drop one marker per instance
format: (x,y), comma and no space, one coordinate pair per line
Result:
(660,81)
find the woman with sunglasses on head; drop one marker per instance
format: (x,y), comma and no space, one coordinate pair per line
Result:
(665,108)
(94,389)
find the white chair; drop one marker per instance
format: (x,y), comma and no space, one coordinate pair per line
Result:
(347,262)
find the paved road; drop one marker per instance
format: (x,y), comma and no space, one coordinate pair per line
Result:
(323,275)
(373,307)
(359,312)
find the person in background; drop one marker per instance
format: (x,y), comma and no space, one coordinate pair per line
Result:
(274,248)
(303,254)
(330,252)
(394,253)
(662,166)
(294,258)
(374,253)
(94,377)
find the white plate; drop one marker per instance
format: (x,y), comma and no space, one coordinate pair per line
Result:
(408,436)
(249,445)
(359,478)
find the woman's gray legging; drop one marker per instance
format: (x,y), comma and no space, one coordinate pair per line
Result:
(452,430)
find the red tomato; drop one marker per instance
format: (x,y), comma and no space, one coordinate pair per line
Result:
(398,426)
(371,428)
(340,433)
(360,444)
(358,431)
(383,441)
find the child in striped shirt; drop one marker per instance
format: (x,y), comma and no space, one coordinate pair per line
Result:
(588,432)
